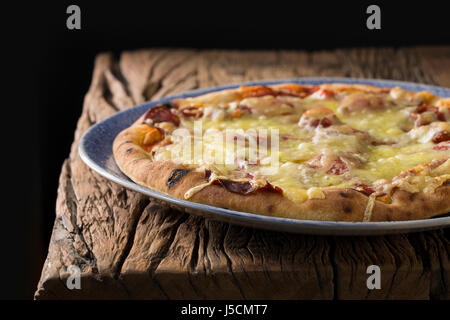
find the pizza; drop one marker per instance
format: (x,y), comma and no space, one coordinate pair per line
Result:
(334,152)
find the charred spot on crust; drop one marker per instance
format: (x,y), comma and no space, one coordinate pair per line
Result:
(412,196)
(347,209)
(175,176)
(270,208)
(344,195)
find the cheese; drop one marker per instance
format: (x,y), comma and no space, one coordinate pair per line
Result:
(368,211)
(403,148)
(383,124)
(315,193)
(295,194)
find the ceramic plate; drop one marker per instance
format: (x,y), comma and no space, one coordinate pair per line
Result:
(95,149)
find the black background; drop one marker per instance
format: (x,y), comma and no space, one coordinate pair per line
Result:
(49,70)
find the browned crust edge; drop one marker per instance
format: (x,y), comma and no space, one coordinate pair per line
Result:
(339,204)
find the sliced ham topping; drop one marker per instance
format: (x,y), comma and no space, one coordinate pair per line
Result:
(246,187)
(256,91)
(338,167)
(161,113)
(425,114)
(332,164)
(290,89)
(361,134)
(192,112)
(267,105)
(241,186)
(406,97)
(364,188)
(323,118)
(270,188)
(319,116)
(443,146)
(324,94)
(360,101)
(296,90)
(441,136)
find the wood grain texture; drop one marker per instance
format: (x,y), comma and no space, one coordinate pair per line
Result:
(130,246)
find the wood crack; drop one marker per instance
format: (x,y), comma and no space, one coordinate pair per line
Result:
(108,95)
(72,208)
(230,267)
(334,276)
(139,209)
(117,72)
(155,262)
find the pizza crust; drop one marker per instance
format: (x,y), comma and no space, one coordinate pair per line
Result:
(339,204)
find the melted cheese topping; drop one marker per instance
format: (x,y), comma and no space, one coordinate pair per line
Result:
(311,159)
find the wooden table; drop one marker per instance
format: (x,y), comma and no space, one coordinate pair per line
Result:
(129,246)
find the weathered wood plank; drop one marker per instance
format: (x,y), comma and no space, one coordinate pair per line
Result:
(130,246)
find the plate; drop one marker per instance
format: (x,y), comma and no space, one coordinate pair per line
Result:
(95,148)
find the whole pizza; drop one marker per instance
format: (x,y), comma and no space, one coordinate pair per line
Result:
(334,152)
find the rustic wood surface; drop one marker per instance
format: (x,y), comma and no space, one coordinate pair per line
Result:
(130,246)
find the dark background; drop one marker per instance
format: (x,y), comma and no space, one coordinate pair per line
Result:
(50,71)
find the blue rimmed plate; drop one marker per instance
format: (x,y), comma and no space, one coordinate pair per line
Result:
(95,148)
